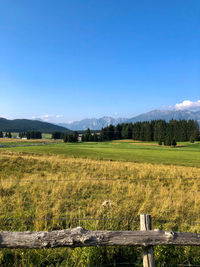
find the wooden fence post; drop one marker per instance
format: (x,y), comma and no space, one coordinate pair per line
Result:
(148,257)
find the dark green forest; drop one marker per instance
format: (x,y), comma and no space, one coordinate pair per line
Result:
(31,135)
(23,125)
(157,130)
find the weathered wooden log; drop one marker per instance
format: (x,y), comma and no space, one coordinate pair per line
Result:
(79,237)
(148,257)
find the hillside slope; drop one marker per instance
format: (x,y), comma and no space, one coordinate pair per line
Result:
(22,125)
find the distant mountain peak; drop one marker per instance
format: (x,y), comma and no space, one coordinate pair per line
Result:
(93,123)
(156,114)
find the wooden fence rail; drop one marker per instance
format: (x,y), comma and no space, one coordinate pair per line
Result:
(80,237)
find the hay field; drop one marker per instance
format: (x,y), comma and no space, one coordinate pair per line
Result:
(46,192)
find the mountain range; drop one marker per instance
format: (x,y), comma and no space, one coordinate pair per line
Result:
(167,115)
(23,125)
(93,124)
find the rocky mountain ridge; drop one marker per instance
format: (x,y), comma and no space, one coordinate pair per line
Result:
(97,124)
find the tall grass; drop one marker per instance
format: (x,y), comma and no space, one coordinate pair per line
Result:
(40,192)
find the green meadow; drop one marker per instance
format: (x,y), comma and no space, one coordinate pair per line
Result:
(185,154)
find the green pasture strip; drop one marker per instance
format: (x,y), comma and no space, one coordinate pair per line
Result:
(19,143)
(185,154)
(14,142)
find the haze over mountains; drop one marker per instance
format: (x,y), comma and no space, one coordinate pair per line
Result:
(97,124)
(93,124)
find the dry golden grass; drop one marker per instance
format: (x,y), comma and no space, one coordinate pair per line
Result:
(136,142)
(37,190)
(42,192)
(126,141)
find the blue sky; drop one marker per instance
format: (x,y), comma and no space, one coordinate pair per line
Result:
(70,59)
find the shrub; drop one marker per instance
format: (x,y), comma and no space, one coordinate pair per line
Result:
(192,140)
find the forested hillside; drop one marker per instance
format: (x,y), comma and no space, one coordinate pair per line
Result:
(23,125)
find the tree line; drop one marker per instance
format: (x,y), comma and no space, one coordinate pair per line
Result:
(167,133)
(72,138)
(31,135)
(155,130)
(7,135)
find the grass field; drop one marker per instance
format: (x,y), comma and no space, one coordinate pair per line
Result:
(44,135)
(186,154)
(65,185)
(22,142)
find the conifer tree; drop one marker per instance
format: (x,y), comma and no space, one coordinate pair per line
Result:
(95,137)
(75,136)
(174,142)
(136,131)
(160,142)
(87,134)
(117,132)
(168,141)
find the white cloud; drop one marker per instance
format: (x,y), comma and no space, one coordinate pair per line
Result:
(59,116)
(187,104)
(47,117)
(70,122)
